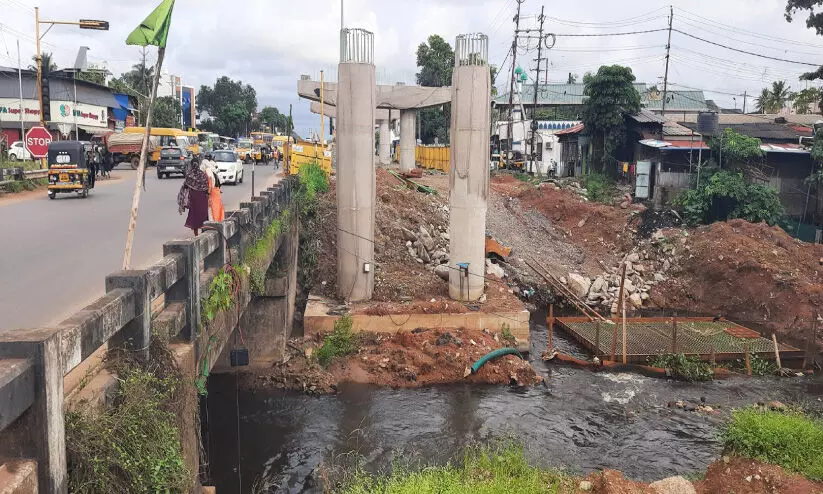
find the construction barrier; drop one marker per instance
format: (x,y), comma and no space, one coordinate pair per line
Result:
(433,157)
(304,153)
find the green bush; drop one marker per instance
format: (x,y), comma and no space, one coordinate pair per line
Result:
(599,186)
(759,366)
(339,343)
(220,295)
(501,469)
(683,367)
(14,187)
(726,195)
(791,440)
(133,446)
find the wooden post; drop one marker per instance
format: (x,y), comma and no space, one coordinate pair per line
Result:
(619,303)
(714,356)
(674,335)
(596,338)
(776,352)
(551,328)
(624,329)
(748,361)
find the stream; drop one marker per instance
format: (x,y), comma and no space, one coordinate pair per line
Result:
(579,421)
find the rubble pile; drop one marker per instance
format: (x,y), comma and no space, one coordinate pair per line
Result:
(430,250)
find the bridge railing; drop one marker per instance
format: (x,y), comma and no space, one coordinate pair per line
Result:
(165,296)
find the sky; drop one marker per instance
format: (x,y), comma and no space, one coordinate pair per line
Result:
(271,43)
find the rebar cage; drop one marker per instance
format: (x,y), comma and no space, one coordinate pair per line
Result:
(471,49)
(356,46)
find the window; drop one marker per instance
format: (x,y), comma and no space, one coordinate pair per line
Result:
(225,157)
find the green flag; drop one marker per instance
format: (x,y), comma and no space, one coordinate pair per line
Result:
(154,30)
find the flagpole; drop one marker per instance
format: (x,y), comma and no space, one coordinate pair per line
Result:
(141,169)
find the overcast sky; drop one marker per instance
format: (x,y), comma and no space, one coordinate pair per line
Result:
(270,43)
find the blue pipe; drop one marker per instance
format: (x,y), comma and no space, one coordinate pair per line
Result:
(500,352)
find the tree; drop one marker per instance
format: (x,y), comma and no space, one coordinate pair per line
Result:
(271,116)
(608,96)
(762,103)
(231,103)
(813,21)
(781,94)
(167,112)
(726,195)
(493,73)
(47,63)
(806,99)
(435,60)
(738,150)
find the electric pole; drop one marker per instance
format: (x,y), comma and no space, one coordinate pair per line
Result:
(512,81)
(745,95)
(666,74)
(536,89)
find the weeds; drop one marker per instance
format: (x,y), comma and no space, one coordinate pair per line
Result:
(507,333)
(25,184)
(683,367)
(339,343)
(483,470)
(599,187)
(134,446)
(220,298)
(789,439)
(257,255)
(759,366)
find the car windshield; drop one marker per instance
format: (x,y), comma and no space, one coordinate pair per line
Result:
(224,157)
(244,143)
(171,153)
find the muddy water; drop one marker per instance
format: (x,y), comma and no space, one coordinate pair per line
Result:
(579,420)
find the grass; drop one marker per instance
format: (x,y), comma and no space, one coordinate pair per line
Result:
(683,367)
(789,439)
(600,187)
(483,470)
(25,165)
(339,343)
(26,184)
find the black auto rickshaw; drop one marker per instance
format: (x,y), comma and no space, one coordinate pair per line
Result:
(69,168)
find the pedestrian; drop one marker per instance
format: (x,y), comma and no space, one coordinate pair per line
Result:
(194,196)
(218,213)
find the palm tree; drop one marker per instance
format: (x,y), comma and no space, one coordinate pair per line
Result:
(761,103)
(46,61)
(780,95)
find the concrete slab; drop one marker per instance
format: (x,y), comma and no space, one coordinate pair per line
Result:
(318,320)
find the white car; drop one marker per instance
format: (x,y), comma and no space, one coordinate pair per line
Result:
(229,167)
(18,152)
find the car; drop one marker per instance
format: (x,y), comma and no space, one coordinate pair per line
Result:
(229,167)
(173,159)
(18,152)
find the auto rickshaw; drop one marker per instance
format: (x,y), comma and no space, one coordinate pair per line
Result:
(69,168)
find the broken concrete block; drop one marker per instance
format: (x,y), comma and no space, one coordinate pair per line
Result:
(579,284)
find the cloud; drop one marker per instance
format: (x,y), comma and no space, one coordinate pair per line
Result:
(270,43)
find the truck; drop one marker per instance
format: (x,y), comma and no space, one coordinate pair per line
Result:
(126,147)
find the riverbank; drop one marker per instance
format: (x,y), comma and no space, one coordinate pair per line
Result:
(423,357)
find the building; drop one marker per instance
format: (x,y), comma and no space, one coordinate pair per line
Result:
(79,109)
(571,96)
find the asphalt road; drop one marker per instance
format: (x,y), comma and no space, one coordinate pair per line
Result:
(55,254)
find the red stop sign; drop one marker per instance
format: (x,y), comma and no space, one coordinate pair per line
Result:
(37,141)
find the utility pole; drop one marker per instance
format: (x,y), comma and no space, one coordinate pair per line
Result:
(666,74)
(512,81)
(536,88)
(745,96)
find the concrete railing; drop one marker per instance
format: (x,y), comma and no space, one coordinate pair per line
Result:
(33,362)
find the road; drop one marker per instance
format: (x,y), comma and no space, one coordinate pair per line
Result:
(55,254)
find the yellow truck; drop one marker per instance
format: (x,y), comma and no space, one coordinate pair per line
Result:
(161,136)
(244,149)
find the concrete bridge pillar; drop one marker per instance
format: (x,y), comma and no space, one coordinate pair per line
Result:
(408,122)
(355,173)
(469,170)
(384,146)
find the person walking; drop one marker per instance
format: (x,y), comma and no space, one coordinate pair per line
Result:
(218,213)
(194,196)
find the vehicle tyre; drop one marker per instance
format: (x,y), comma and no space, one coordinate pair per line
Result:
(241,177)
(85,193)
(159,176)
(135,162)
(52,194)
(12,157)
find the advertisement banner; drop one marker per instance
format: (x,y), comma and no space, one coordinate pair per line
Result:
(89,115)
(188,107)
(10,110)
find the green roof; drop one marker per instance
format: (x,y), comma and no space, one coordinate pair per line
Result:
(572,94)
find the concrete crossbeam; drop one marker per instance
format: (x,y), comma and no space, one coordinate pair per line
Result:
(389,97)
(331,111)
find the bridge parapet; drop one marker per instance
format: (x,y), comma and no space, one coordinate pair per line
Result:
(166,297)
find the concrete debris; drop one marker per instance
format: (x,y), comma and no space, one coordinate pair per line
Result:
(579,285)
(673,485)
(442,271)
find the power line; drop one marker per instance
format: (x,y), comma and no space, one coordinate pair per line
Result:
(745,51)
(761,45)
(636,19)
(599,35)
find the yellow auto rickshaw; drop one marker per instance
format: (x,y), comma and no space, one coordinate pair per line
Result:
(69,171)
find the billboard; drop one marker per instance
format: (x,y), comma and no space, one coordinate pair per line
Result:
(187,103)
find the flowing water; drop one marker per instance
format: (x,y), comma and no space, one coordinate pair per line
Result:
(579,420)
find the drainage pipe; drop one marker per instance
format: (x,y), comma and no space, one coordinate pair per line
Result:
(500,352)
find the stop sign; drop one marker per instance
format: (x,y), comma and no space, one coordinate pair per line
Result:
(37,141)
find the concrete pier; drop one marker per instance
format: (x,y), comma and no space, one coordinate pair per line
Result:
(469,171)
(408,122)
(384,146)
(355,172)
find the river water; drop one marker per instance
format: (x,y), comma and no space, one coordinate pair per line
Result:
(578,420)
